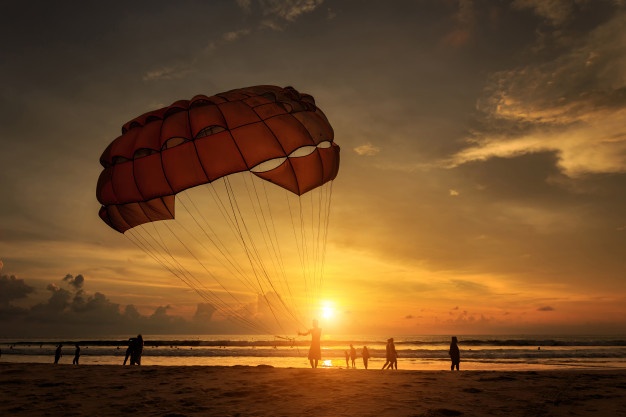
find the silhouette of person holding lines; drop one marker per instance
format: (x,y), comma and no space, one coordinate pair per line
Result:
(57,353)
(315,351)
(76,355)
(455,354)
(366,356)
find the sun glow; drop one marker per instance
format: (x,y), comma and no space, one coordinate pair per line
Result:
(328,310)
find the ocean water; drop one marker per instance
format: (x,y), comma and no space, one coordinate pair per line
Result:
(483,352)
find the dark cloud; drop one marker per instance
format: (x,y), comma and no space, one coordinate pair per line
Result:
(76,282)
(13,288)
(545,308)
(71,311)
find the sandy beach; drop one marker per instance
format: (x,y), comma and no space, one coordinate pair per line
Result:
(65,390)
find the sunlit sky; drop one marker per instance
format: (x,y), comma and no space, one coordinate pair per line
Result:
(483,157)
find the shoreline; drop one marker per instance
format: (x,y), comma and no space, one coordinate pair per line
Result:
(112,390)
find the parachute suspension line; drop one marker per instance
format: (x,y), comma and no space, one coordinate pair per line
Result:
(200,286)
(329,195)
(293,302)
(250,254)
(310,288)
(230,264)
(300,251)
(315,235)
(181,272)
(273,250)
(233,220)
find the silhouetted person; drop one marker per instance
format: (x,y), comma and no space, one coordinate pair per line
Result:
(455,354)
(136,351)
(129,349)
(387,354)
(347,358)
(394,356)
(391,355)
(353,355)
(76,355)
(315,351)
(366,356)
(57,353)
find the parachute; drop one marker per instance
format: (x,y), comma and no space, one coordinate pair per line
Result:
(231,194)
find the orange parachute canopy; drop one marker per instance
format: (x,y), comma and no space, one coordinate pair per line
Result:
(264,129)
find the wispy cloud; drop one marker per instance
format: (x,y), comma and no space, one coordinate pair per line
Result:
(167,73)
(573,105)
(367,149)
(289,10)
(554,11)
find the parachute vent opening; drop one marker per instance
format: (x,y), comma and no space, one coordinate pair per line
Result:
(298,153)
(201,102)
(140,153)
(172,110)
(208,131)
(119,160)
(268,165)
(132,125)
(172,142)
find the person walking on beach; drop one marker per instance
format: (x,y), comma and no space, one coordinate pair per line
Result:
(391,355)
(315,351)
(365,353)
(57,353)
(455,354)
(387,354)
(353,355)
(394,356)
(76,355)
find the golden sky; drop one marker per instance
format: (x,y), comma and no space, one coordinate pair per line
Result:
(483,157)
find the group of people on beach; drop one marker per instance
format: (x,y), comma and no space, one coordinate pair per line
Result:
(391,354)
(59,352)
(134,351)
(351,356)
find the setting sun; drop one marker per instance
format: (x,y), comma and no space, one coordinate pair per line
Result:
(328,310)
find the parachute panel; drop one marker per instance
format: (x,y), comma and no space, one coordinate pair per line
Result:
(182,167)
(257,144)
(219,155)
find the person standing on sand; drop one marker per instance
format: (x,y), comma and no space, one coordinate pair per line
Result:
(347,358)
(353,355)
(387,354)
(129,350)
(136,350)
(366,356)
(57,353)
(76,355)
(455,354)
(315,351)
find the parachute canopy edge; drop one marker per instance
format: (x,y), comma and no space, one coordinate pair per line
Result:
(195,142)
